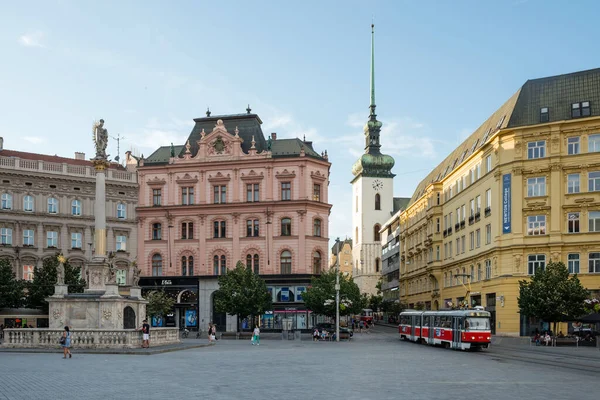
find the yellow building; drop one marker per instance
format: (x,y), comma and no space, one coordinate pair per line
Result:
(345,255)
(522,190)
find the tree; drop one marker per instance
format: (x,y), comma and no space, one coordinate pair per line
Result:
(12,294)
(242,293)
(375,302)
(320,297)
(44,279)
(552,294)
(159,303)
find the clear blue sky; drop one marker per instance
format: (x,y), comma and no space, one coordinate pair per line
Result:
(149,67)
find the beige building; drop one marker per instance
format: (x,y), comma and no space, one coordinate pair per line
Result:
(344,254)
(521,191)
(47,206)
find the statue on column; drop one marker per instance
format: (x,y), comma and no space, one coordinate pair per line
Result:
(60,270)
(100,139)
(135,276)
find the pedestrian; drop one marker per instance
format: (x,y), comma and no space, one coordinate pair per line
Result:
(65,342)
(361,324)
(316,335)
(145,334)
(256,337)
(209,333)
(213,333)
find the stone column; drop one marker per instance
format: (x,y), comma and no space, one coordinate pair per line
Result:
(100,209)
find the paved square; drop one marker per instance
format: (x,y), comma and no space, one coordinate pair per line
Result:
(373,366)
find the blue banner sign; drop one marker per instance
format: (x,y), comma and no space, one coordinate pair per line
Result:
(506,199)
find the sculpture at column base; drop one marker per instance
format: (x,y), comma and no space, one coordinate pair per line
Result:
(60,290)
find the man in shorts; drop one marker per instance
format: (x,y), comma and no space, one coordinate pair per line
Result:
(146,334)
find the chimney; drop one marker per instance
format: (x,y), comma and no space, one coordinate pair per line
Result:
(1,143)
(274,135)
(79,155)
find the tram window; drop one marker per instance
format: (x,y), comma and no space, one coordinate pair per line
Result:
(426,321)
(436,321)
(446,322)
(478,324)
(404,320)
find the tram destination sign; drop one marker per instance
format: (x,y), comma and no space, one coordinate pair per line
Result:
(506,200)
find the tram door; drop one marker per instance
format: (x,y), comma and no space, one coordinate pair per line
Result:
(431,329)
(456,332)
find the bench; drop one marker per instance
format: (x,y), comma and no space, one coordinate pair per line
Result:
(565,341)
(236,335)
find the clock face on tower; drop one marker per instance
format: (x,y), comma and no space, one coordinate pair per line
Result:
(377,184)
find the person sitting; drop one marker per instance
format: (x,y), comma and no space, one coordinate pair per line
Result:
(324,335)
(547,339)
(560,334)
(536,339)
(316,335)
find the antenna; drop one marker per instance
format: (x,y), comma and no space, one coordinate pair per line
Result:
(118,139)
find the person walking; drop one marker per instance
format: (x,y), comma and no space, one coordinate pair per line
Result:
(145,334)
(65,342)
(212,333)
(256,337)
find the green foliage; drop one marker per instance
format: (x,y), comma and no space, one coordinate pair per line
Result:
(44,279)
(11,290)
(374,302)
(159,303)
(378,286)
(320,297)
(242,293)
(552,294)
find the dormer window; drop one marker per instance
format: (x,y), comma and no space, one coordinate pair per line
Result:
(580,109)
(544,114)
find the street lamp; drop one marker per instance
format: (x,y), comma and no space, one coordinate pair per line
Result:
(337,292)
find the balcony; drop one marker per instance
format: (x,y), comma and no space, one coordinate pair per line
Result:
(449,231)
(457,227)
(462,224)
(488,211)
(445,232)
(477,216)
(471,220)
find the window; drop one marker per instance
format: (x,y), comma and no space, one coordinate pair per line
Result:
(156,197)
(472,274)
(471,240)
(573,263)
(252,263)
(594,263)
(464,244)
(286,227)
(52,205)
(28,237)
(156,231)
(219,229)
(187,230)
(457,245)
(536,187)
(478,272)
(594,181)
(472,209)
(488,164)
(488,269)
(594,221)
(316,263)
(156,265)
(252,192)
(536,225)
(184,265)
(488,200)
(52,239)
(216,265)
(28,272)
(573,183)
(121,276)
(580,109)
(121,211)
(220,194)
(28,203)
(376,234)
(356,204)
(594,143)
(450,249)
(544,115)
(286,190)
(535,262)
(478,204)
(437,225)
(488,234)
(437,253)
(187,196)
(317,227)
(76,207)
(478,238)
(252,228)
(121,243)
(536,149)
(285,262)
(377,202)
(6,236)
(573,222)
(316,192)
(6,201)
(573,145)
(76,240)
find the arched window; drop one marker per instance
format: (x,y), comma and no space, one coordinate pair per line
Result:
(456,276)
(316,263)
(28,203)
(256,264)
(286,227)
(377,202)
(219,229)
(450,278)
(156,265)
(52,205)
(252,262)
(285,262)
(377,264)
(216,265)
(156,231)
(223,265)
(6,201)
(317,227)
(184,265)
(376,234)
(121,213)
(190,266)
(76,207)
(356,234)
(472,273)
(249,261)
(478,272)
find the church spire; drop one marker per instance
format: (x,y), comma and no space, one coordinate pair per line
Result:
(372,115)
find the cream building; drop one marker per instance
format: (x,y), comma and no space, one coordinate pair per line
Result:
(47,206)
(344,253)
(522,190)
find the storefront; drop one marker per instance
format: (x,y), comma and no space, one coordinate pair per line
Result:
(289,311)
(184,291)
(23,318)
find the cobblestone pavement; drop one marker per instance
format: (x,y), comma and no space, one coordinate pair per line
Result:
(374,365)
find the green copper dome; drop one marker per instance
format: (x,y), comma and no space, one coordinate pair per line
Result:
(379,165)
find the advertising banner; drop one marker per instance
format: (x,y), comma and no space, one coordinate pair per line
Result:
(506,201)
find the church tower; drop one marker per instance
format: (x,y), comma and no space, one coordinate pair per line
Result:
(373,197)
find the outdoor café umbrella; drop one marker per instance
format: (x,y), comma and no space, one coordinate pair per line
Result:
(590,319)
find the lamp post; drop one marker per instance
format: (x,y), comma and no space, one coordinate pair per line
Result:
(337,292)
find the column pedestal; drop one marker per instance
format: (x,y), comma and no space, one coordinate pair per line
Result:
(60,290)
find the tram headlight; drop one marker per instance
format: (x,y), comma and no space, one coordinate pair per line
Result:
(472,337)
(488,338)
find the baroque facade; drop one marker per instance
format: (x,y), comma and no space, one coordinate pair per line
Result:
(47,207)
(521,191)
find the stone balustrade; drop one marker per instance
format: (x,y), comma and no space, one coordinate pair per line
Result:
(87,338)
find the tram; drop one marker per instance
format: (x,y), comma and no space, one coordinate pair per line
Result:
(366,315)
(455,329)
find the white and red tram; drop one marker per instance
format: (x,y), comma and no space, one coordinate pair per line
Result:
(456,329)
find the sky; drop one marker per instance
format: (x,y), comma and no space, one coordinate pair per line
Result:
(149,67)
